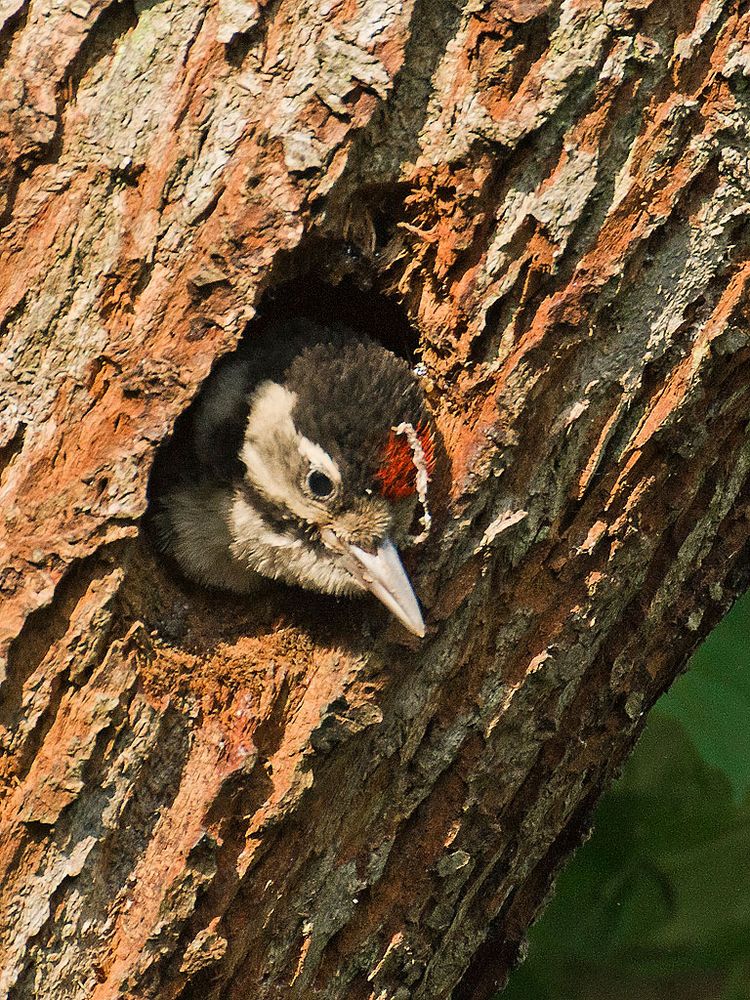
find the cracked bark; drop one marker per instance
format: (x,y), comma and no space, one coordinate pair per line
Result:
(206,799)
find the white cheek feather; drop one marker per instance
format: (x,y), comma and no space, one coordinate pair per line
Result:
(264,477)
(261,550)
(270,428)
(251,534)
(271,413)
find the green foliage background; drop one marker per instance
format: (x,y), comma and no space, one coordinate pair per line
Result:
(657,904)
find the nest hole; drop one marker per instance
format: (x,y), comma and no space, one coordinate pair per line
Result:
(187,615)
(346,303)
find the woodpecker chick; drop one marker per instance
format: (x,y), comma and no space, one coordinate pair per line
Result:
(294,466)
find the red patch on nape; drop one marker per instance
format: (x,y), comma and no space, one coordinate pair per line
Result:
(397,473)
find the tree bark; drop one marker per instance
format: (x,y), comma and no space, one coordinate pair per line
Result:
(203,798)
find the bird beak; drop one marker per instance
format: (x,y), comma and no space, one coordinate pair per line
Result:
(384,576)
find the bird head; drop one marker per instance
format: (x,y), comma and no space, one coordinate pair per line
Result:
(330,483)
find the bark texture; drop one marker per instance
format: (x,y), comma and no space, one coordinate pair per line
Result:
(203,798)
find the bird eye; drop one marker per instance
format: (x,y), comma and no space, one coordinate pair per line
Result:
(319,484)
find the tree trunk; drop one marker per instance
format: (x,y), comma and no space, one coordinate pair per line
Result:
(203,798)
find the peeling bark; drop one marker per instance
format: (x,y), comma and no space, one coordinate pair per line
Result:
(206,798)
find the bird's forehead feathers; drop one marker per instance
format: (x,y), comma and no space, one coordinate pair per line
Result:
(350,397)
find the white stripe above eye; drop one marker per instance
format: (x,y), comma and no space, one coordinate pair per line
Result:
(318,458)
